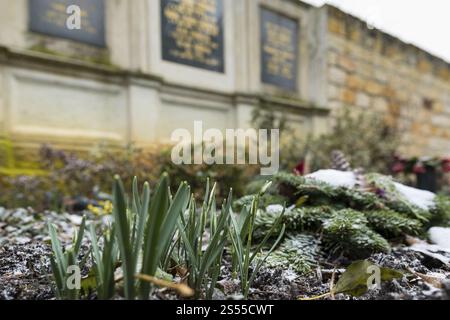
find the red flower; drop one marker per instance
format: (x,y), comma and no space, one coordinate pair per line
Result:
(419,168)
(299,170)
(398,167)
(446,165)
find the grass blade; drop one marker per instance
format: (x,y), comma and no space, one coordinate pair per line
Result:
(79,237)
(123,236)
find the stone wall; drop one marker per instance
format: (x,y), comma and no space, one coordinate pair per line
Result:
(372,70)
(59,91)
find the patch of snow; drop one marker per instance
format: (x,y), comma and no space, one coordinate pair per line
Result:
(75,219)
(432,250)
(107,220)
(432,291)
(440,236)
(278,208)
(421,198)
(23,240)
(290,208)
(290,275)
(335,178)
(274,208)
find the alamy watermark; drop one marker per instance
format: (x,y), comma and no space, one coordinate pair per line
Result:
(74,278)
(236,146)
(73,22)
(374,280)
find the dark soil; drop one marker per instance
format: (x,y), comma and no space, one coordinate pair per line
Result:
(25,271)
(278,284)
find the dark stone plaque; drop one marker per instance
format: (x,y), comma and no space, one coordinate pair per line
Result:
(192,33)
(49,17)
(279,50)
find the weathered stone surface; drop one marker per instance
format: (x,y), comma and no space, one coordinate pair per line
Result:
(337,75)
(334,92)
(76,95)
(348,97)
(127,92)
(380,104)
(347,63)
(355,81)
(369,69)
(336,26)
(363,100)
(373,88)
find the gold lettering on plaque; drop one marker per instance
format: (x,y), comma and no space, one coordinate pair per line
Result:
(280,49)
(196,27)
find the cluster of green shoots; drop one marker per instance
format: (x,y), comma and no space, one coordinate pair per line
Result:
(157,233)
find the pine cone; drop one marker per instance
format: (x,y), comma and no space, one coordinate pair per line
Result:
(339,161)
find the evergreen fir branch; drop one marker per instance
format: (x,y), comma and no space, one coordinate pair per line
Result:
(296,220)
(321,193)
(392,224)
(352,221)
(440,213)
(347,231)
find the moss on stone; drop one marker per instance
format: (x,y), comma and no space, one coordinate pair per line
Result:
(101,58)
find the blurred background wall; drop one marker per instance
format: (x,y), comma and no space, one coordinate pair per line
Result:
(139,69)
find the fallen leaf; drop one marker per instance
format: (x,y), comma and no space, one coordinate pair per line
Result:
(354,279)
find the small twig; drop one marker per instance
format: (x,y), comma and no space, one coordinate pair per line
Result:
(316,297)
(182,289)
(330,271)
(256,291)
(332,283)
(432,280)
(319,274)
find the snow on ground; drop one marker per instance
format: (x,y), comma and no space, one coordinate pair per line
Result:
(335,178)
(432,250)
(440,236)
(422,199)
(275,208)
(278,208)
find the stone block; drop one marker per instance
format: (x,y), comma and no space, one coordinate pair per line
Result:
(444,73)
(363,100)
(336,26)
(354,82)
(440,120)
(373,88)
(424,66)
(335,105)
(337,75)
(334,92)
(348,97)
(332,58)
(347,63)
(381,75)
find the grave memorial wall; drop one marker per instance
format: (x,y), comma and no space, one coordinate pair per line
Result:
(137,70)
